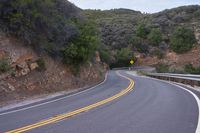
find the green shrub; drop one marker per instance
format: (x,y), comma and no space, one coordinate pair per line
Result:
(138,44)
(4,66)
(162,68)
(83,46)
(105,56)
(123,58)
(41,64)
(159,54)
(182,40)
(190,69)
(155,37)
(142,31)
(136,40)
(142,48)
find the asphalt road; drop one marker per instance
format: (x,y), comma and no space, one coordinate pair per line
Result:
(151,107)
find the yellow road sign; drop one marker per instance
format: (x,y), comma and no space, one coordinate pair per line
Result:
(132,62)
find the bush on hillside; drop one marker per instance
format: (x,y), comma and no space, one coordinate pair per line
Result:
(83,46)
(155,37)
(142,31)
(123,58)
(182,40)
(162,68)
(41,64)
(105,56)
(138,44)
(4,66)
(190,69)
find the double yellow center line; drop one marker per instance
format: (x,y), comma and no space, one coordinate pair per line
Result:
(75,112)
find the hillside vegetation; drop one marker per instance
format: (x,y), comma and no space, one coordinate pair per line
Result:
(46,47)
(52,26)
(146,34)
(63,30)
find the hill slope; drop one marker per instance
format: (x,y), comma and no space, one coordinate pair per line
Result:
(122,28)
(45,46)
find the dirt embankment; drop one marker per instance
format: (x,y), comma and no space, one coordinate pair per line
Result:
(24,80)
(177,61)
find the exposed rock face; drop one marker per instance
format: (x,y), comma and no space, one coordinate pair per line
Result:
(33,66)
(24,64)
(28,82)
(21,69)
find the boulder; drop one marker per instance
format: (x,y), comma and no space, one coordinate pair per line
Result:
(22,69)
(33,66)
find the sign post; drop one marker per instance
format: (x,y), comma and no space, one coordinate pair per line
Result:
(131,62)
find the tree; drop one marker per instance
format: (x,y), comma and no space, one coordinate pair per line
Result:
(182,40)
(82,47)
(123,58)
(141,31)
(105,56)
(155,37)
(138,44)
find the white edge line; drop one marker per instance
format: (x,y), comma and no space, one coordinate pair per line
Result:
(193,94)
(37,105)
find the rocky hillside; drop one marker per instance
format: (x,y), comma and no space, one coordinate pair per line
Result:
(27,76)
(147,35)
(52,45)
(45,47)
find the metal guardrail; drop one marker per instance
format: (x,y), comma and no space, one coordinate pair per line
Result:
(193,80)
(179,75)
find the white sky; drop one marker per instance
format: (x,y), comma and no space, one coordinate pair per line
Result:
(149,6)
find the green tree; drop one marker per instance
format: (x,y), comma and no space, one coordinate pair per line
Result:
(182,40)
(135,41)
(83,46)
(123,58)
(141,31)
(105,56)
(139,45)
(155,37)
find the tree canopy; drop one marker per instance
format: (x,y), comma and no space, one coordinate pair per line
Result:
(182,40)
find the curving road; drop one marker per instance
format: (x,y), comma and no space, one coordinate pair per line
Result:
(151,107)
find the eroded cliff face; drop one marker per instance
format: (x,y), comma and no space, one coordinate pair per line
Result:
(25,79)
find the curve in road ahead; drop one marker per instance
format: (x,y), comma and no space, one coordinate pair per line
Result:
(153,107)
